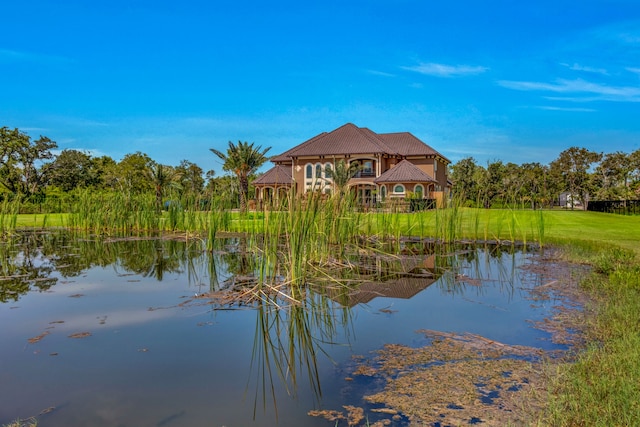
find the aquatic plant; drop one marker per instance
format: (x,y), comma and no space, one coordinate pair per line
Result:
(9,215)
(29,422)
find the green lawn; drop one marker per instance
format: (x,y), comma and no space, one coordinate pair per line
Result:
(559,225)
(620,230)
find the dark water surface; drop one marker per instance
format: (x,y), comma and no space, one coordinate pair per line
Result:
(158,356)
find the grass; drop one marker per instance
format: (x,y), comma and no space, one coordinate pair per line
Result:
(602,387)
(552,226)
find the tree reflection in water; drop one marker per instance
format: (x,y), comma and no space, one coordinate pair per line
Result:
(295,320)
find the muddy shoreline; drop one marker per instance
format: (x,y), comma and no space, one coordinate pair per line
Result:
(461,379)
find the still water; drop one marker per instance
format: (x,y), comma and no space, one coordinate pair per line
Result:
(98,332)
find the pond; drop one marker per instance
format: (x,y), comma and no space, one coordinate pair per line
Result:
(161,332)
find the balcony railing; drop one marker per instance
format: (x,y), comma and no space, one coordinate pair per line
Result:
(365,174)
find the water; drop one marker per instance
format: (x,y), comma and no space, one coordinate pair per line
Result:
(158,356)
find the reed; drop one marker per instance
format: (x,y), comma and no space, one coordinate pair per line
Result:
(9,215)
(448,222)
(288,340)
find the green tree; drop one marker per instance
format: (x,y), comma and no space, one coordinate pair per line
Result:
(634,183)
(23,162)
(222,189)
(534,177)
(492,183)
(340,173)
(191,177)
(572,166)
(106,172)
(73,169)
(464,175)
(132,173)
(613,175)
(243,160)
(161,177)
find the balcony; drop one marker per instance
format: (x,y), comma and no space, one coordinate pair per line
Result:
(365,174)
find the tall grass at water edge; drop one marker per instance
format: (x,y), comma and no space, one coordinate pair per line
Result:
(336,220)
(303,237)
(114,212)
(8,215)
(602,386)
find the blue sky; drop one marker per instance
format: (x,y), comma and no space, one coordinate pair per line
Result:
(496,80)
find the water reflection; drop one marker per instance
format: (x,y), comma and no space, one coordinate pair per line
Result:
(24,265)
(296,329)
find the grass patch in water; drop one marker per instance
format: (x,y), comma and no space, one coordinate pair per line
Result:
(30,422)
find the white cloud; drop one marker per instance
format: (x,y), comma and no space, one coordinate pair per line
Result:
(578,67)
(380,73)
(633,70)
(443,70)
(578,86)
(575,109)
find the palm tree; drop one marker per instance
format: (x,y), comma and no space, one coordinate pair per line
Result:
(161,177)
(341,173)
(243,160)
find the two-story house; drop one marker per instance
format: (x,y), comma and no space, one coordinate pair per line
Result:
(391,165)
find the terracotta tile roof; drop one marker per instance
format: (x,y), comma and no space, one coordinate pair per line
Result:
(346,140)
(405,171)
(280,175)
(287,154)
(350,139)
(406,144)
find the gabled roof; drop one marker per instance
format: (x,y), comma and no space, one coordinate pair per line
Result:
(405,171)
(277,175)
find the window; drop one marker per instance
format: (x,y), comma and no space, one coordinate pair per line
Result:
(318,171)
(328,170)
(419,190)
(383,192)
(367,168)
(309,171)
(398,189)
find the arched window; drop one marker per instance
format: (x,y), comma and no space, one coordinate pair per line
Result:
(309,171)
(327,170)
(318,170)
(419,190)
(383,192)
(398,189)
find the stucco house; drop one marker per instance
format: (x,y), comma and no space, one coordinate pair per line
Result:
(392,166)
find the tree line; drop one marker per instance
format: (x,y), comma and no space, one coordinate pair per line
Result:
(581,174)
(30,170)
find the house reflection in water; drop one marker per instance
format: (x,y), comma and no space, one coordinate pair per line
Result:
(388,277)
